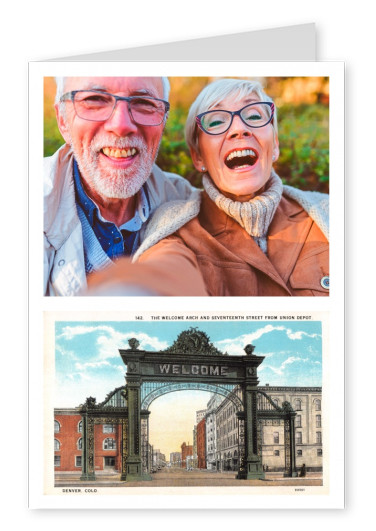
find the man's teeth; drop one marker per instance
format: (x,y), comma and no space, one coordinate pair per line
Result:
(241,153)
(119,153)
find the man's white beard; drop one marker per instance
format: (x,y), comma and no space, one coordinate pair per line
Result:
(115,183)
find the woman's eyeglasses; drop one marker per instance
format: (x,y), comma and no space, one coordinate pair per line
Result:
(254,115)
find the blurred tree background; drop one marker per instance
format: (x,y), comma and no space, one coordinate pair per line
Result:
(303,128)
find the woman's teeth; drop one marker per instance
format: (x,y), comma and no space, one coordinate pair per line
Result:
(241,153)
(241,158)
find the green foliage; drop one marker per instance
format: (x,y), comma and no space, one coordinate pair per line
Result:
(303,142)
(304,146)
(174,155)
(52,137)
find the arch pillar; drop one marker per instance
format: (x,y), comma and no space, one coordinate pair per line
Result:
(250,463)
(134,467)
(124,449)
(134,470)
(253,464)
(87,472)
(146,458)
(290,458)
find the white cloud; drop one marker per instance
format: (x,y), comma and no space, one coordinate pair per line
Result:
(110,340)
(276,370)
(235,346)
(64,352)
(70,332)
(292,359)
(299,334)
(280,370)
(91,365)
(119,368)
(74,376)
(109,345)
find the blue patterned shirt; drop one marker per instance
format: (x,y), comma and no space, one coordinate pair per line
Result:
(115,241)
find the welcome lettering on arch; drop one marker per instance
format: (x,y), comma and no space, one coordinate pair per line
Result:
(194,370)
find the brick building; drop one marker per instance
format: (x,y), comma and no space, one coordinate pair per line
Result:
(201,444)
(68,443)
(186,451)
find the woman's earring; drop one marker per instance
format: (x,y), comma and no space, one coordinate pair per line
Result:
(203,168)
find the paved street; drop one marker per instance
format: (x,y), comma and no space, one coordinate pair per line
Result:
(175,477)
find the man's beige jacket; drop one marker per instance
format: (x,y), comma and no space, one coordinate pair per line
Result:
(64,264)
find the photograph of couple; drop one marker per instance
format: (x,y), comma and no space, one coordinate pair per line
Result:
(186,186)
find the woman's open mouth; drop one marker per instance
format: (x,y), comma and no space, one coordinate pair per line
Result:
(241,158)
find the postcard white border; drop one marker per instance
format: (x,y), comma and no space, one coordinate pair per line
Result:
(196,497)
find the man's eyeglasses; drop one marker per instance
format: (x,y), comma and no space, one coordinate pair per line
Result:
(98,106)
(253,115)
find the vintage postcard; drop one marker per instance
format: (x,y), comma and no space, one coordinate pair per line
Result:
(186,342)
(189,404)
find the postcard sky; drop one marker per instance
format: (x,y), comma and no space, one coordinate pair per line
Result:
(87,363)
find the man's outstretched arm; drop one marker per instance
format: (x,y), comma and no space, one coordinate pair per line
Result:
(167,269)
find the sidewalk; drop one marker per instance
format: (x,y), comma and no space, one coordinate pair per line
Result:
(194,478)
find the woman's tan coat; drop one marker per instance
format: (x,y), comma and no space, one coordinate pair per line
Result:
(213,255)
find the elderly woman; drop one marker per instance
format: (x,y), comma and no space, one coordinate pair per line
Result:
(249,234)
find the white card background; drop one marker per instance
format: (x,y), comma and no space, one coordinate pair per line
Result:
(33,31)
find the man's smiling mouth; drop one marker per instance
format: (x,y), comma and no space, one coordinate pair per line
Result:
(119,153)
(241,158)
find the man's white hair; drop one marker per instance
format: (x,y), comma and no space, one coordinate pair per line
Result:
(60,85)
(213,94)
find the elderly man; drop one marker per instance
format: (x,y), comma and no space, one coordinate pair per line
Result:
(102,186)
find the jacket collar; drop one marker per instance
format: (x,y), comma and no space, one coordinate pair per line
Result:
(60,214)
(287,233)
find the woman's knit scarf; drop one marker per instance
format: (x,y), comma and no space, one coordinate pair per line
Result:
(255,215)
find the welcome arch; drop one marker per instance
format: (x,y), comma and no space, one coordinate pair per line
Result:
(191,363)
(191,360)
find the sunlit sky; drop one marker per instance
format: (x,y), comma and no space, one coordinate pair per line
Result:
(88,363)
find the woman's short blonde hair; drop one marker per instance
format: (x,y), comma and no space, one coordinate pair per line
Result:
(216,92)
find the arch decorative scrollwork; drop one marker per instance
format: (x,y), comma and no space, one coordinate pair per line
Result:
(264,402)
(194,340)
(150,392)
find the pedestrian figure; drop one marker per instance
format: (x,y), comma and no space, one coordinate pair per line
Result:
(303,471)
